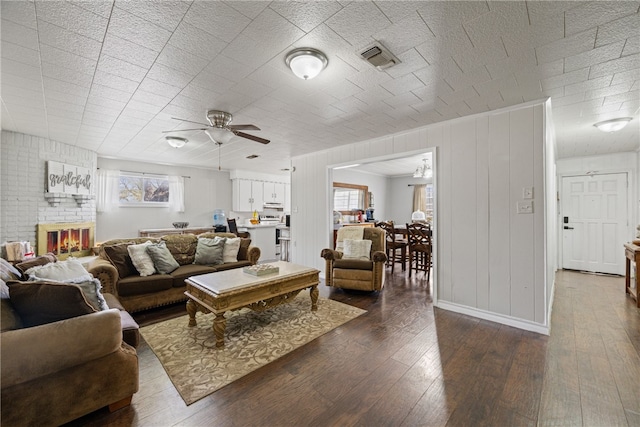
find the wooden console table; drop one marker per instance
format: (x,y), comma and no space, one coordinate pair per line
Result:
(632,253)
(157,232)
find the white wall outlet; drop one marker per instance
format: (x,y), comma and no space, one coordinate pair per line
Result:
(527,192)
(525,207)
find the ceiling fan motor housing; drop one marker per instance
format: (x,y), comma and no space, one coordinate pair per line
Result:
(219,119)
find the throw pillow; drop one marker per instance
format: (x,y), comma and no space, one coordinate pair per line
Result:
(209,251)
(8,271)
(231,248)
(38,303)
(141,259)
(70,269)
(243,252)
(119,256)
(163,261)
(40,260)
(9,318)
(357,249)
(91,291)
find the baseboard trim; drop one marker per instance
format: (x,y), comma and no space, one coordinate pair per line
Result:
(494,317)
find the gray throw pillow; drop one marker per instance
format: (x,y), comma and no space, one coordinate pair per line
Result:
(163,261)
(209,251)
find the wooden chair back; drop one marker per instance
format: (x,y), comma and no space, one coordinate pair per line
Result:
(419,235)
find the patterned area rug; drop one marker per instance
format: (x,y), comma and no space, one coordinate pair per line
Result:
(252,340)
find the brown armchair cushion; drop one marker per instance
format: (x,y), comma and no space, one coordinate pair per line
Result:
(43,302)
(353,264)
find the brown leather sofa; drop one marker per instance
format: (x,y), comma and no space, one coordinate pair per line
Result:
(57,372)
(61,357)
(358,274)
(137,293)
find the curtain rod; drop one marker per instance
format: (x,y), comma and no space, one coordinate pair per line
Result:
(147,173)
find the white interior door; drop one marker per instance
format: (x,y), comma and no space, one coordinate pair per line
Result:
(594,222)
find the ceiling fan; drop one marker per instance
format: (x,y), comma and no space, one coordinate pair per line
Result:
(222,120)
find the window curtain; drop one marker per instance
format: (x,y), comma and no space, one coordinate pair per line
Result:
(107,189)
(420,197)
(176,193)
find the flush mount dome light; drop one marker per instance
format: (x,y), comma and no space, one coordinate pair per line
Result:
(176,141)
(613,125)
(306,62)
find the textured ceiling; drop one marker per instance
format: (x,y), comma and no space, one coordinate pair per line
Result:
(109,75)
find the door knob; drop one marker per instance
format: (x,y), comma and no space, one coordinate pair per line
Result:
(568,228)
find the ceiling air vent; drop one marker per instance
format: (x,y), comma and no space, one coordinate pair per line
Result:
(378,56)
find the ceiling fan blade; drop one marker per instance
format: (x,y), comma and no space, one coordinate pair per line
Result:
(243,127)
(251,137)
(184,130)
(190,121)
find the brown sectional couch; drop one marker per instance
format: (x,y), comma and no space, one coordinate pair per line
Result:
(54,372)
(137,293)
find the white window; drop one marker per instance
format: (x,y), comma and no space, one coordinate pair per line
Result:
(139,189)
(428,201)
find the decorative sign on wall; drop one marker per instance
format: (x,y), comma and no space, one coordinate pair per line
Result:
(68,179)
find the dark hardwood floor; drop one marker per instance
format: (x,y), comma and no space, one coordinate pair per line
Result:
(405,363)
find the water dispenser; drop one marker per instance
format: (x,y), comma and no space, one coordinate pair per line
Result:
(219,220)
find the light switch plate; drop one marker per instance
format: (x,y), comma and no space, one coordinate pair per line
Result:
(527,192)
(525,207)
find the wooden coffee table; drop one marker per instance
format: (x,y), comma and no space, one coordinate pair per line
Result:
(228,290)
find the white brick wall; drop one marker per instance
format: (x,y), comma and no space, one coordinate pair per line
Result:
(23,185)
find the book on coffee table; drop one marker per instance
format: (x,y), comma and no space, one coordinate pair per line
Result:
(261,269)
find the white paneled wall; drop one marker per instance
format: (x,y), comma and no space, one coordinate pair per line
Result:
(490,260)
(23,185)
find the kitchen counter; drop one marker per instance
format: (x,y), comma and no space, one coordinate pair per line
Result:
(264,237)
(261,225)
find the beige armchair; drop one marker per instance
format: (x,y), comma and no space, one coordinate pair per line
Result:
(354,273)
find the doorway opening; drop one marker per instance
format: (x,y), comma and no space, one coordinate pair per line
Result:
(390,182)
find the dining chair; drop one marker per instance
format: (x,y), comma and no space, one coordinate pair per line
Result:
(233,228)
(393,245)
(420,247)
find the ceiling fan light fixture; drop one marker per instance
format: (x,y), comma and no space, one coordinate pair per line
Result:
(306,62)
(176,141)
(219,135)
(613,125)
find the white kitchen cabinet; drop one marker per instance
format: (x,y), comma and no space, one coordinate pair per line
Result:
(247,195)
(274,192)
